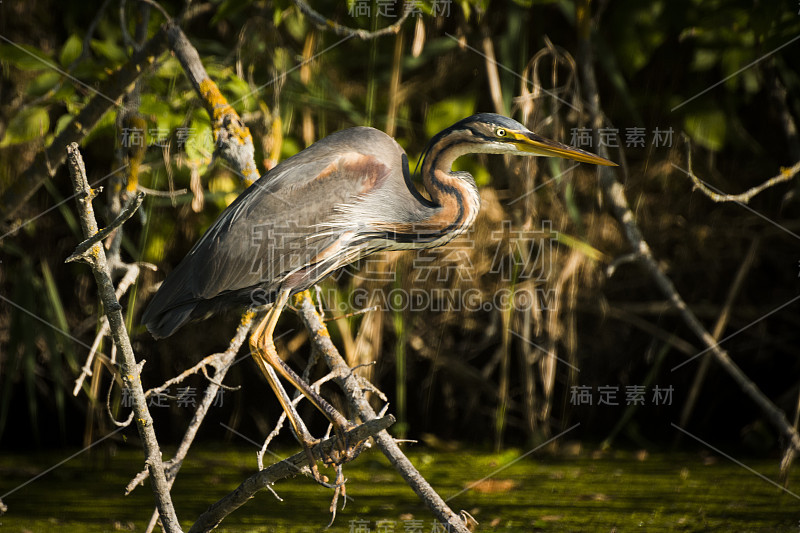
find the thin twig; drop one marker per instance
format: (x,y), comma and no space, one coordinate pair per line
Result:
(161,194)
(326,24)
(654,331)
(790,453)
(158,7)
(221,363)
(282,418)
(83,248)
(745,197)
(719,328)
(199,367)
(110,414)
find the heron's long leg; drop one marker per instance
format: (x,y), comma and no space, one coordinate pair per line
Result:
(263,349)
(300,430)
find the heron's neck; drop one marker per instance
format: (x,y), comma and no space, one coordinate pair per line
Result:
(455,193)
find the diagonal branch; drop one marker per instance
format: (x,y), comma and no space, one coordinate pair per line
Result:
(109,92)
(221,362)
(82,250)
(349,383)
(233,139)
(288,467)
(615,195)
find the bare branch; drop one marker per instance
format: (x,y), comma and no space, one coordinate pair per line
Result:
(745,197)
(124,284)
(128,369)
(288,467)
(719,328)
(161,194)
(116,422)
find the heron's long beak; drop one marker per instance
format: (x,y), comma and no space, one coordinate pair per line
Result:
(536,144)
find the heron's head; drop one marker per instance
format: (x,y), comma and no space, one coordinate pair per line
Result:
(496,134)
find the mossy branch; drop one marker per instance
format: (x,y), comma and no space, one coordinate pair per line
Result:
(232,137)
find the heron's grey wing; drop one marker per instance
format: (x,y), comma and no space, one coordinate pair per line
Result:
(273,228)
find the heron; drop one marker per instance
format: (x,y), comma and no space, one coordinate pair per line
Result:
(344,197)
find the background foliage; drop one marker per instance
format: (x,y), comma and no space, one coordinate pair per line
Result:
(720,74)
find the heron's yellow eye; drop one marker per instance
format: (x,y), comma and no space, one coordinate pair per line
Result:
(500,132)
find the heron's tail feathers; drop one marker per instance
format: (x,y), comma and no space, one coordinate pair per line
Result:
(163,322)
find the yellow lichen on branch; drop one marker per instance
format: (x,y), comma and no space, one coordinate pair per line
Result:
(219,109)
(227,126)
(216,104)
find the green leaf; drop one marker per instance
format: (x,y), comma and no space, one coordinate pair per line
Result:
(104,129)
(704,59)
(200,141)
(156,110)
(239,93)
(170,68)
(109,50)
(66,95)
(30,123)
(70,51)
(24,57)
(707,128)
(227,9)
(62,122)
(43,83)
(447,112)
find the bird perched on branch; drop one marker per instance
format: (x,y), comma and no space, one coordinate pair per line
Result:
(344,197)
